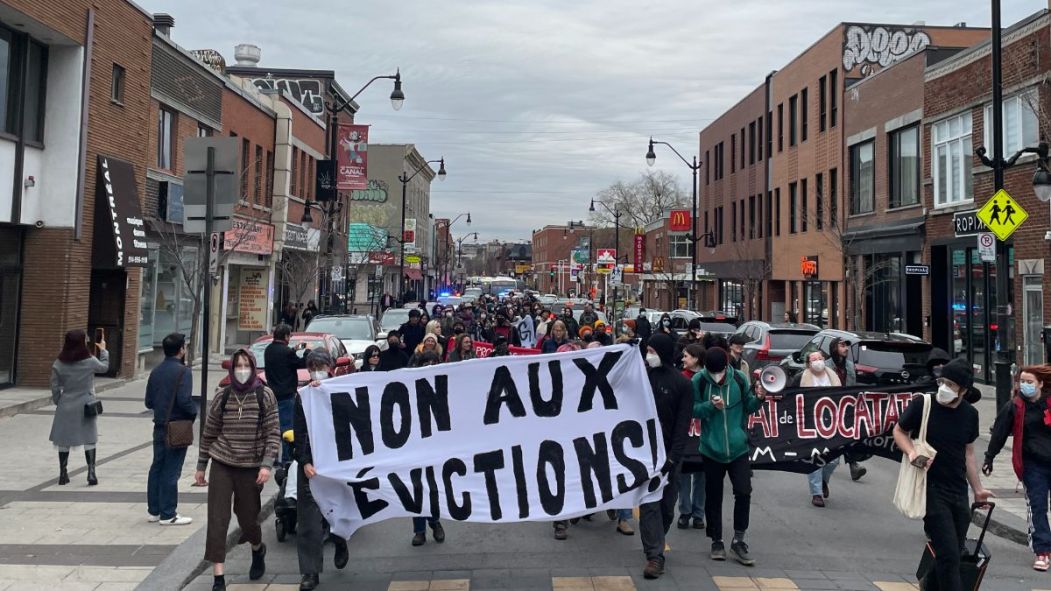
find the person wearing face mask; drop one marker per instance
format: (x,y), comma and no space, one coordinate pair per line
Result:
(673,396)
(395,356)
(310,525)
(1027,418)
(952,428)
(447,322)
(572,326)
(691,480)
(642,326)
(723,400)
(818,375)
(841,362)
(693,334)
(664,326)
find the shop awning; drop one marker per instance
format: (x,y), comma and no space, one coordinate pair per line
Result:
(413,274)
(120,234)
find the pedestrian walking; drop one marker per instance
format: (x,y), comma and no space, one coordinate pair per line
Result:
(673,396)
(371,359)
(1024,418)
(394,357)
(693,334)
(289,315)
(691,480)
(817,375)
(169,393)
(723,401)
(588,316)
(426,358)
(463,348)
(736,343)
(559,336)
(642,326)
(664,326)
(310,524)
(241,439)
(309,313)
(572,326)
(281,365)
(429,344)
(76,408)
(952,428)
(842,362)
(412,331)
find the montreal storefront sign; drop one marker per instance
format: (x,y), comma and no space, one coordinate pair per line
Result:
(120,234)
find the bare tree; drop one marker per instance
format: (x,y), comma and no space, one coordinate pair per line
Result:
(640,201)
(750,271)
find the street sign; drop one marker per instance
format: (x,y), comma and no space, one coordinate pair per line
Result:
(1002,215)
(966,223)
(917,269)
(226,182)
(987,247)
(213,253)
(337,273)
(606,255)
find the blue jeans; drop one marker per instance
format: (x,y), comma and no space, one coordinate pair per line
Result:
(162,487)
(419,524)
(624,514)
(691,495)
(285,411)
(1037,480)
(823,474)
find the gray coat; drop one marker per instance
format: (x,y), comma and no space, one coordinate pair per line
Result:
(73,386)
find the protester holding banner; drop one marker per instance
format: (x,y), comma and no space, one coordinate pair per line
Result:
(952,427)
(843,365)
(412,331)
(429,344)
(559,336)
(395,356)
(723,401)
(1026,418)
(463,348)
(673,396)
(691,481)
(242,440)
(371,359)
(818,375)
(426,358)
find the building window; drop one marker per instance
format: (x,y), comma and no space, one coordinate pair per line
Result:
(759,215)
(833,197)
(769,134)
(759,135)
(165,138)
(751,217)
(680,246)
(116,85)
(905,167)
(751,143)
(803,115)
(294,182)
(269,179)
(246,148)
(740,217)
(35,90)
(733,222)
(1020,127)
(833,97)
(777,214)
(742,148)
(781,127)
(819,200)
(259,174)
(793,119)
(719,225)
(793,204)
(862,178)
(203,130)
(804,211)
(951,160)
(822,103)
(733,153)
(707,167)
(20,54)
(705,222)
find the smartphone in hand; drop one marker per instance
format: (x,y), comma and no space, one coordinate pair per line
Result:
(921,461)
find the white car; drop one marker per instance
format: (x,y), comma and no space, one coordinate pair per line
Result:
(355,332)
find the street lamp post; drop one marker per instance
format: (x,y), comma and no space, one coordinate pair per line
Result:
(651,158)
(405,178)
(445,274)
(616,213)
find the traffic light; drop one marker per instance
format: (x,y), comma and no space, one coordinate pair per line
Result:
(552,271)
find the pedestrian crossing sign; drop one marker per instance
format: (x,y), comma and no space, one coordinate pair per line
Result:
(1002,215)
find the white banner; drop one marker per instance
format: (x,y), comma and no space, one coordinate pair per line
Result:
(497,440)
(527,332)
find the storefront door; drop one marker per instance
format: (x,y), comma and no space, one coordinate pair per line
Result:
(973,303)
(1033,312)
(10,287)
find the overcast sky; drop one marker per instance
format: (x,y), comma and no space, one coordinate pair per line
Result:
(538,104)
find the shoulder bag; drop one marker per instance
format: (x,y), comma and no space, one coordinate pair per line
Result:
(910,494)
(178,434)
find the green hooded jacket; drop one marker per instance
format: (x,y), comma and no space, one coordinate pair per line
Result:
(723,434)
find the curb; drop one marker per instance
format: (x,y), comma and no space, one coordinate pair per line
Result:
(31,405)
(186,562)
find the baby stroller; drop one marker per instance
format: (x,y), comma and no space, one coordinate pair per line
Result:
(285,504)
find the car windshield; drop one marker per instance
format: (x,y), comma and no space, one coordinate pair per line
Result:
(893,355)
(344,328)
(393,318)
(792,340)
(259,348)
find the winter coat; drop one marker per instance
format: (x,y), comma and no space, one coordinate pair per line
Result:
(724,436)
(72,387)
(1024,421)
(807,379)
(673,397)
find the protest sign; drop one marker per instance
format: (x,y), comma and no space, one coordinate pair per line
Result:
(484,349)
(497,440)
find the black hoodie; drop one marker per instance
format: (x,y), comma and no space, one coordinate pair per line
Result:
(673,395)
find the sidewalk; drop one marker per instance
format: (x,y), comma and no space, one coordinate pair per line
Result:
(1010,519)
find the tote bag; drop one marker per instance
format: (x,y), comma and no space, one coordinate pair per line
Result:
(910,495)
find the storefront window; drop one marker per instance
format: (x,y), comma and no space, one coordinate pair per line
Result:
(1033,312)
(732,298)
(10,278)
(883,293)
(816,309)
(961,325)
(147,302)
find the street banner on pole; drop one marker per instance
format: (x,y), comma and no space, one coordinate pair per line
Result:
(353,154)
(679,220)
(640,250)
(521,438)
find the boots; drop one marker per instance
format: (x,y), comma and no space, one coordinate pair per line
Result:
(89,455)
(63,461)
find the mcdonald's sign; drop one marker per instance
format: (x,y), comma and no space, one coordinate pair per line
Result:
(640,249)
(679,220)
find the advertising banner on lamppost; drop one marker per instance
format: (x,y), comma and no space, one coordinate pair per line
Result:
(352,157)
(640,250)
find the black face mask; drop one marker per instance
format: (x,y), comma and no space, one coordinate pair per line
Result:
(458,331)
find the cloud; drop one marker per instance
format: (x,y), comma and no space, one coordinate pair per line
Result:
(538,104)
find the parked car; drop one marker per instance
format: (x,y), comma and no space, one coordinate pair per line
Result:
(770,342)
(717,316)
(313,340)
(447,301)
(356,332)
(880,358)
(548,299)
(393,318)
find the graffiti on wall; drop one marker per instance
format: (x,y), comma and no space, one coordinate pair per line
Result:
(308,91)
(872,48)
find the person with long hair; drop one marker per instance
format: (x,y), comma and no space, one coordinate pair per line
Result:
(73,392)
(1024,417)
(370,359)
(691,480)
(559,336)
(242,440)
(463,348)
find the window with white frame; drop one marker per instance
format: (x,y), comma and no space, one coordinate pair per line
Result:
(680,246)
(951,160)
(1021,128)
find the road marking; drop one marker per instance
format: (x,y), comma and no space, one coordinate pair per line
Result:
(432,585)
(754,584)
(896,586)
(618,583)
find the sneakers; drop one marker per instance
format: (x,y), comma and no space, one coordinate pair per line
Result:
(718,551)
(560,531)
(817,501)
(258,568)
(624,527)
(153,518)
(698,523)
(419,538)
(739,550)
(856,471)
(684,522)
(177,520)
(1042,562)
(438,532)
(654,569)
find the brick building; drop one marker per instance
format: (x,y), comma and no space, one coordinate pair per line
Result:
(85,94)
(553,247)
(960,299)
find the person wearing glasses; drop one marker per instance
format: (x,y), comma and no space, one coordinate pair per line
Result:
(371,359)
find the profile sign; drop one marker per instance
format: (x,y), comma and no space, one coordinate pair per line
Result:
(225,177)
(1002,215)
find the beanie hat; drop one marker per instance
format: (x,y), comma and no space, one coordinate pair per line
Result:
(958,372)
(715,360)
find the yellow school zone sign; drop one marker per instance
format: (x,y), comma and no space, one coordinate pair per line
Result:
(1002,215)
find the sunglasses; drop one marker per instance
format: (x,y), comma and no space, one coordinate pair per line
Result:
(374,355)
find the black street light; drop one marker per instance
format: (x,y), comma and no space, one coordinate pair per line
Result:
(651,158)
(405,178)
(444,262)
(616,213)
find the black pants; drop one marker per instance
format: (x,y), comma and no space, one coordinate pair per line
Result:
(310,529)
(948,516)
(655,518)
(740,472)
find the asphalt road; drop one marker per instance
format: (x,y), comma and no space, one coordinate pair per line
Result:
(855,542)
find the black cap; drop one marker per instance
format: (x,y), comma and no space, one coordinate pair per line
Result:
(414,313)
(715,360)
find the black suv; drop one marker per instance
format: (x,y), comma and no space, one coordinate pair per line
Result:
(770,342)
(880,358)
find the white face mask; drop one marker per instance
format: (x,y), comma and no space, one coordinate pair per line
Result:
(242,375)
(946,395)
(817,366)
(718,377)
(653,360)
(319,375)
